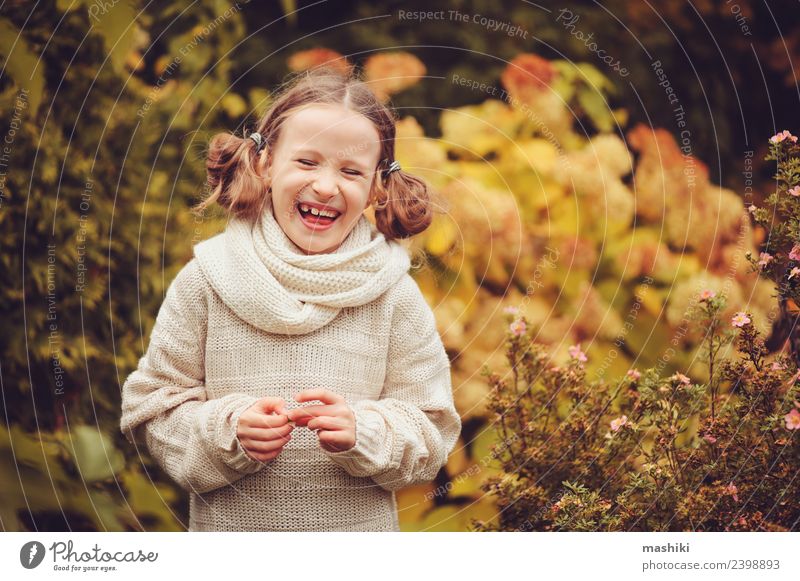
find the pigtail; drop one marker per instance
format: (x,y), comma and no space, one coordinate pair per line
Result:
(233,176)
(403,205)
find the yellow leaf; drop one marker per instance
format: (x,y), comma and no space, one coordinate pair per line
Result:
(651,300)
(413,502)
(538,154)
(234,105)
(468,483)
(458,461)
(442,234)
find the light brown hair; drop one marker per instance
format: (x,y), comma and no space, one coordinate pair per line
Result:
(402,202)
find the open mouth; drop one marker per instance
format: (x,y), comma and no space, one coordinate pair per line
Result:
(316,217)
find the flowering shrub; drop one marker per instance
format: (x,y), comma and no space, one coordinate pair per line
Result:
(519,176)
(780,260)
(650,452)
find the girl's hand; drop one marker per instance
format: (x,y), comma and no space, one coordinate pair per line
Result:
(264,429)
(335,422)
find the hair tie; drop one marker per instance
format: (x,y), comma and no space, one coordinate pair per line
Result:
(259,140)
(394,166)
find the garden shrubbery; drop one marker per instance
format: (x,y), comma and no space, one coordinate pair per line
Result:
(649,452)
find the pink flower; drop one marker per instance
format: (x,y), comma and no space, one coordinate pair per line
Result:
(616,424)
(794,272)
(517,327)
(633,374)
(778,137)
(766,258)
(794,254)
(733,491)
(709,438)
(511,310)
(792,420)
(707,294)
(795,191)
(576,353)
(680,377)
(777,365)
(740,319)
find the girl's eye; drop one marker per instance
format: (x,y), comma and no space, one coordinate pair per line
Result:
(308,163)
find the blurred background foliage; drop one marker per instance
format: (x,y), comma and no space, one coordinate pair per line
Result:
(569,197)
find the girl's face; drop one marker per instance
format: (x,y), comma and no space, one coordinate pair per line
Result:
(321,173)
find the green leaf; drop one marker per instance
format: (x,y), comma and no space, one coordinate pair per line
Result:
(23,65)
(596,80)
(94,454)
(105,511)
(566,70)
(116,23)
(564,87)
(596,108)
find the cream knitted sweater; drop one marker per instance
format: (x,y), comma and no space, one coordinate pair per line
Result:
(250,316)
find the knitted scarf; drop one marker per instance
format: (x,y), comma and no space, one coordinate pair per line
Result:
(258,271)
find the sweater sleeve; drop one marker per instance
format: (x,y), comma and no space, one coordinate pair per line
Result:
(405,437)
(165,404)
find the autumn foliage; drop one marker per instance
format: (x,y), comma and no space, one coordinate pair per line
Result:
(649,452)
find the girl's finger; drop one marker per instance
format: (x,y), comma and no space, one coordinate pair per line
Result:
(261,446)
(321,394)
(264,420)
(335,439)
(265,434)
(327,423)
(268,405)
(306,413)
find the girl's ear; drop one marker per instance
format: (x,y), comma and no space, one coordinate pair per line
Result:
(373,195)
(264,164)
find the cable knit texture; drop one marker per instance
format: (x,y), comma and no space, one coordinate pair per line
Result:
(251,316)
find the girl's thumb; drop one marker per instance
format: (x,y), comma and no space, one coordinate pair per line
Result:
(272,404)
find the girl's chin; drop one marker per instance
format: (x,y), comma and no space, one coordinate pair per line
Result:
(315,247)
(314,242)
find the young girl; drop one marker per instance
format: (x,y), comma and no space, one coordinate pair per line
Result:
(294,377)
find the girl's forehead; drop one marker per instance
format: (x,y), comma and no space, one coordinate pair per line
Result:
(330,125)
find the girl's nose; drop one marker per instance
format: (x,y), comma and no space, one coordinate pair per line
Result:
(325,183)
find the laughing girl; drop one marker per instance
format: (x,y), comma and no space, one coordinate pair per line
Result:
(294,377)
